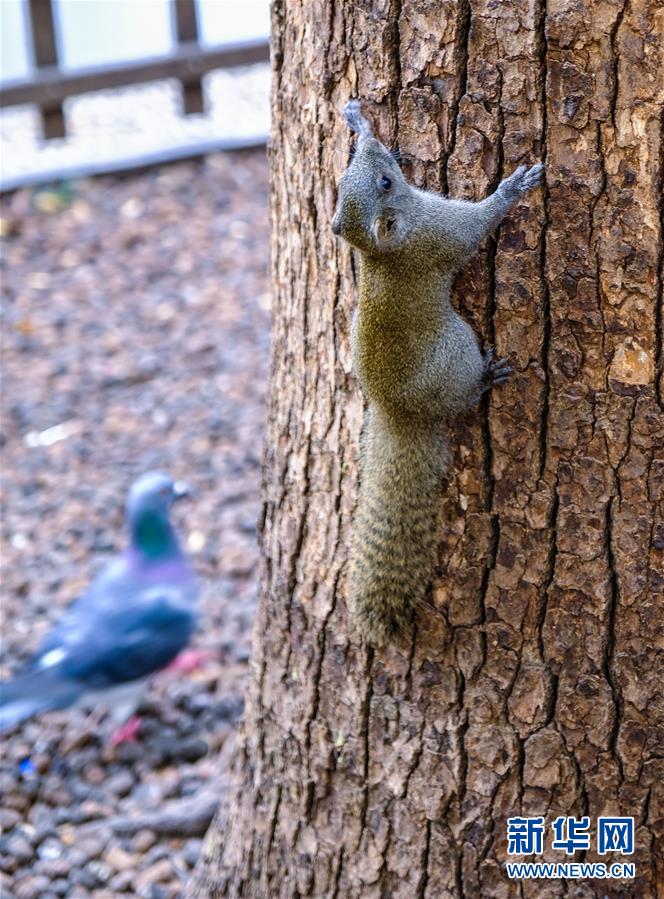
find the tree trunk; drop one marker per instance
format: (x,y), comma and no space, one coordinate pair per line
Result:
(535,687)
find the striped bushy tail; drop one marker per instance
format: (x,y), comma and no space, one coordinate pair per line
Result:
(394,534)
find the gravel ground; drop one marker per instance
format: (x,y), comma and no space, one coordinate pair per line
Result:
(135,336)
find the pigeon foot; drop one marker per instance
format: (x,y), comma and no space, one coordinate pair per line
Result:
(128,733)
(190,660)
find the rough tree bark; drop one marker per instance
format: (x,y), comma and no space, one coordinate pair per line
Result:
(536,687)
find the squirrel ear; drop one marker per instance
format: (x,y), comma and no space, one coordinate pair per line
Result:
(356,121)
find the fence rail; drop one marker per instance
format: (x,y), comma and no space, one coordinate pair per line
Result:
(49,85)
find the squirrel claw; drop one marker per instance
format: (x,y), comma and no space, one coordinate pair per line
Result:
(522,180)
(496,371)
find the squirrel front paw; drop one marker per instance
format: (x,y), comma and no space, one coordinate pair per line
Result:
(522,180)
(496,371)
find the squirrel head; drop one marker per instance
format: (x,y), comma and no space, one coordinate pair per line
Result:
(372,209)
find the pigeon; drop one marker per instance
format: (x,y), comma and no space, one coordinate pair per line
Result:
(134,619)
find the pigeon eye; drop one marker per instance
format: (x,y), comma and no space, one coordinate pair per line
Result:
(385,183)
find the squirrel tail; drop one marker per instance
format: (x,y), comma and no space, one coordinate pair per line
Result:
(393,548)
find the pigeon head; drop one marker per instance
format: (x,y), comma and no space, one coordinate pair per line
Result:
(148,514)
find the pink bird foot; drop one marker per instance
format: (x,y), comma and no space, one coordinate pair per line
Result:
(128,733)
(190,660)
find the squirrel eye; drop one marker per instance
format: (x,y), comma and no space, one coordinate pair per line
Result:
(385,183)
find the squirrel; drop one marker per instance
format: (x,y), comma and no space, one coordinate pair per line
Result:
(418,363)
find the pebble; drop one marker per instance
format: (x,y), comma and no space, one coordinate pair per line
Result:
(122,881)
(9,818)
(7,782)
(8,863)
(77,739)
(50,848)
(229,708)
(143,840)
(191,750)
(164,745)
(83,877)
(62,816)
(41,762)
(191,851)
(169,783)
(92,810)
(94,774)
(119,860)
(158,852)
(67,835)
(120,784)
(147,794)
(190,786)
(41,817)
(53,868)
(32,887)
(163,891)
(100,871)
(90,847)
(16,802)
(19,847)
(159,872)
(199,702)
(128,753)
(243,654)
(59,797)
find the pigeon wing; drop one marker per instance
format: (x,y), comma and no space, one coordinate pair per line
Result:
(121,630)
(132,645)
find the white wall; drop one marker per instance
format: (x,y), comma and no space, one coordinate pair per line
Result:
(14,59)
(222,21)
(91,32)
(100,31)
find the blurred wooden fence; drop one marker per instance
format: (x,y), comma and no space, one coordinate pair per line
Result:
(49,85)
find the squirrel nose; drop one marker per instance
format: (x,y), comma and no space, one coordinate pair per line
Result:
(336,225)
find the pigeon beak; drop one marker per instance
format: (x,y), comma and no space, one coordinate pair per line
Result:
(181,490)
